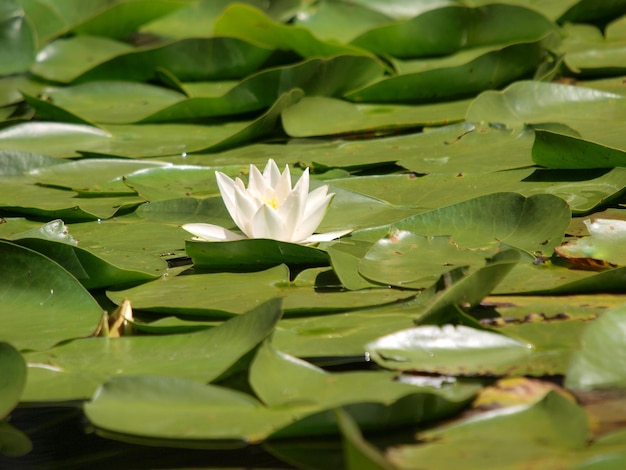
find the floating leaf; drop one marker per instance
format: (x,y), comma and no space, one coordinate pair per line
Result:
(17,39)
(447,78)
(53,305)
(254,253)
(448,350)
(221,295)
(74,371)
(442,31)
(597,363)
(252,25)
(13,378)
(315,116)
(557,150)
(359,454)
(486,221)
(583,190)
(97,58)
(407,260)
(551,432)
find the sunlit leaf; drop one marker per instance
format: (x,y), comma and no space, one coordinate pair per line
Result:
(596,365)
(13,378)
(74,370)
(53,305)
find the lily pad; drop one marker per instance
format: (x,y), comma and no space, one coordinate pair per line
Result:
(74,371)
(448,350)
(584,190)
(54,306)
(596,364)
(407,260)
(253,254)
(442,31)
(13,378)
(92,176)
(234,293)
(552,431)
(17,39)
(486,221)
(315,116)
(98,58)
(444,79)
(110,254)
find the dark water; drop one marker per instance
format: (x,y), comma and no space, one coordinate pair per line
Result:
(62,439)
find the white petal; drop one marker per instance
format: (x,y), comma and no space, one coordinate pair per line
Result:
(326,237)
(302,186)
(227,190)
(271,173)
(266,223)
(246,208)
(282,187)
(291,213)
(212,233)
(258,186)
(313,214)
(318,198)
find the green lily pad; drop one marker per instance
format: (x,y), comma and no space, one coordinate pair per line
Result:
(447,78)
(116,102)
(14,163)
(463,288)
(553,431)
(316,115)
(110,254)
(234,293)
(198,18)
(557,150)
(13,442)
(597,363)
(345,257)
(464,148)
(119,19)
(252,254)
(131,141)
(584,190)
(13,378)
(448,350)
(531,102)
(129,405)
(21,196)
(53,306)
(333,76)
(74,371)
(321,338)
(311,385)
(177,181)
(341,21)
(92,176)
(486,221)
(548,279)
(98,58)
(407,260)
(359,454)
(442,31)
(17,39)
(52,139)
(252,25)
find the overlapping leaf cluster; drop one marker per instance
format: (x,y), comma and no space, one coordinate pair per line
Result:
(464,141)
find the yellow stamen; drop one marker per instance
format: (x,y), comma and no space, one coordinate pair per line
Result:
(273,203)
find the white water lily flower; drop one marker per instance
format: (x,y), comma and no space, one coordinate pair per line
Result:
(270,208)
(606,241)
